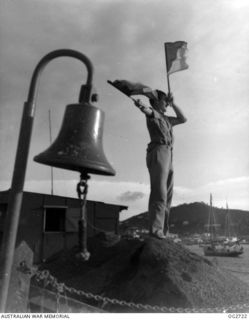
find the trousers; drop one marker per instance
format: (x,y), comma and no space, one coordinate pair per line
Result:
(159,163)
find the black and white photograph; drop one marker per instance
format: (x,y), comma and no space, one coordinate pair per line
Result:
(124,167)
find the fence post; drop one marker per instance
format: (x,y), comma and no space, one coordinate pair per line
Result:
(18,295)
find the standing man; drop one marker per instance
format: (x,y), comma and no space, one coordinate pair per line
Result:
(159,159)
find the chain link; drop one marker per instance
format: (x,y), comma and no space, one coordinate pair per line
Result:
(61,288)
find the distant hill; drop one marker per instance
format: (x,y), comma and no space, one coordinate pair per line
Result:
(191,218)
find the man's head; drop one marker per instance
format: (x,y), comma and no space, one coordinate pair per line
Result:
(159,103)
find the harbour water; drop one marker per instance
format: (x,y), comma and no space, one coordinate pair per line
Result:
(238,266)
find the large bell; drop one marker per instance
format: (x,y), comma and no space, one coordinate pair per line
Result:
(78,146)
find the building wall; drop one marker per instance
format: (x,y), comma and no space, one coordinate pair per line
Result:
(45,242)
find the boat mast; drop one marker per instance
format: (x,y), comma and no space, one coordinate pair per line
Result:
(209,215)
(213,224)
(212,221)
(227,225)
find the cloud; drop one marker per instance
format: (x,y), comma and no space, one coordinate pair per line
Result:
(233,190)
(98,190)
(131,196)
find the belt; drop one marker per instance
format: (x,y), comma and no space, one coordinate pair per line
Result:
(153,143)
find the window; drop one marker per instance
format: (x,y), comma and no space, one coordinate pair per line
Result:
(55,219)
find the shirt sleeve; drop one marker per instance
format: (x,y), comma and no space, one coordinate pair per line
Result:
(174,121)
(155,115)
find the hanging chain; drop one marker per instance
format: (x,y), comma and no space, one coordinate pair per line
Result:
(82,189)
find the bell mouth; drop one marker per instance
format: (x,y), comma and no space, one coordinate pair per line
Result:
(91,167)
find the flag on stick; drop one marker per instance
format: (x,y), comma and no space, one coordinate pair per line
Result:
(132,89)
(175,53)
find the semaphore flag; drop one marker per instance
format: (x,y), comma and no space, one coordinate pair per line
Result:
(175,53)
(132,89)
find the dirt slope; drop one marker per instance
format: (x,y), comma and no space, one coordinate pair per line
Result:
(154,272)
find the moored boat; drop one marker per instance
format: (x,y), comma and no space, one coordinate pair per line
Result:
(229,247)
(223,249)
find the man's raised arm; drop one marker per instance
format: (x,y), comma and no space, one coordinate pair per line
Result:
(180,117)
(145,109)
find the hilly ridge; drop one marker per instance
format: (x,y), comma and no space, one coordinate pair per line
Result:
(192,218)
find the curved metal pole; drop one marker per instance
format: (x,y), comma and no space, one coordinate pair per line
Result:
(51,56)
(16,191)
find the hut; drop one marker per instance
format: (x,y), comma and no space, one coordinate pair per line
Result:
(49,223)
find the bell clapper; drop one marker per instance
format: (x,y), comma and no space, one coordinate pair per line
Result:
(82,189)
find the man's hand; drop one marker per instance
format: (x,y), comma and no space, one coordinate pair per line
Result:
(137,102)
(170,99)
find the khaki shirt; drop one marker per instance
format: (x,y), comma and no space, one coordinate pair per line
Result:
(160,130)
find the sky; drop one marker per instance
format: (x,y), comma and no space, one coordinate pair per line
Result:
(124,39)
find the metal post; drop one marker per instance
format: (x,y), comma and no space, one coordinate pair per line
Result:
(15,202)
(50,140)
(18,179)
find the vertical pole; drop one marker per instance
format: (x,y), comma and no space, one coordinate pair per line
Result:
(214,226)
(168,84)
(228,222)
(18,296)
(166,60)
(50,140)
(15,202)
(210,217)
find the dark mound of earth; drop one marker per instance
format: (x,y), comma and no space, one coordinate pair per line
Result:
(149,272)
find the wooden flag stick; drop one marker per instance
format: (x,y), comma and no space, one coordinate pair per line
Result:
(166,56)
